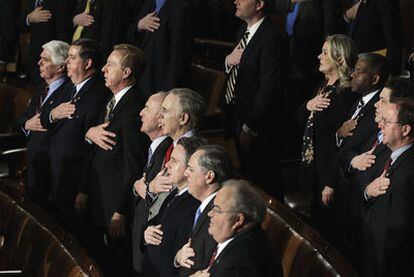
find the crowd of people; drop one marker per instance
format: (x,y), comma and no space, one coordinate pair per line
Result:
(116,156)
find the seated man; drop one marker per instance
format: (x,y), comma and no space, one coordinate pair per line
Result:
(168,231)
(243,248)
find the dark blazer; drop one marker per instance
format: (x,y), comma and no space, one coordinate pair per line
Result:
(111,18)
(202,243)
(68,149)
(114,171)
(249,254)
(140,209)
(58,27)
(176,218)
(9,13)
(38,167)
(378,25)
(168,49)
(389,223)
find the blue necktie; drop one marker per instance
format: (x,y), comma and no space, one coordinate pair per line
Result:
(158,5)
(197,215)
(290,19)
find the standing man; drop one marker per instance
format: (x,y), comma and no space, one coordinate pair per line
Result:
(47,96)
(44,20)
(208,168)
(255,87)
(243,247)
(163,29)
(390,197)
(119,153)
(154,163)
(69,122)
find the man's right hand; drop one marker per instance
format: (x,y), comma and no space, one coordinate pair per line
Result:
(83,19)
(33,124)
(81,202)
(161,183)
(378,187)
(234,57)
(64,110)
(39,15)
(101,137)
(363,161)
(184,254)
(140,187)
(347,128)
(150,22)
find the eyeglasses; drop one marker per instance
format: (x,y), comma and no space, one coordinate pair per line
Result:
(359,70)
(384,121)
(217,210)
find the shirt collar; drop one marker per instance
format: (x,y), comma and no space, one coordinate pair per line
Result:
(56,84)
(156,142)
(221,246)
(206,201)
(81,84)
(120,94)
(397,153)
(252,29)
(182,191)
(369,96)
(186,135)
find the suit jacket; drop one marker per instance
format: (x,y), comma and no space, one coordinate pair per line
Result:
(202,243)
(140,208)
(176,218)
(168,49)
(58,27)
(68,149)
(111,18)
(114,171)
(389,222)
(9,11)
(378,25)
(38,142)
(260,81)
(248,254)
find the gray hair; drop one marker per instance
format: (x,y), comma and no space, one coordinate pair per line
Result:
(247,201)
(343,53)
(58,51)
(191,103)
(216,159)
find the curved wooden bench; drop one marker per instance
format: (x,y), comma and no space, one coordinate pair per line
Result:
(301,249)
(31,242)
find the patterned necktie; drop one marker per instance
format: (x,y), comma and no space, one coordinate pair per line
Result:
(359,107)
(231,82)
(307,147)
(43,95)
(149,156)
(79,29)
(109,109)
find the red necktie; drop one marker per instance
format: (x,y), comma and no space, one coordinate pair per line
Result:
(213,257)
(387,165)
(168,153)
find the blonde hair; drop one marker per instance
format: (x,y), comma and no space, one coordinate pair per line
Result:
(343,53)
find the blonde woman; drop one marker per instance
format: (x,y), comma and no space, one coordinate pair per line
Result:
(323,115)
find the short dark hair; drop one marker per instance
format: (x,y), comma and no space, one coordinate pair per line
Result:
(405,108)
(89,49)
(132,57)
(216,159)
(190,145)
(377,64)
(268,6)
(247,201)
(400,87)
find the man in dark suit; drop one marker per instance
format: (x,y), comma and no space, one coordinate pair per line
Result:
(254,88)
(119,155)
(167,232)
(208,168)
(9,14)
(389,202)
(376,25)
(102,20)
(47,96)
(45,20)
(243,247)
(163,29)
(69,122)
(155,162)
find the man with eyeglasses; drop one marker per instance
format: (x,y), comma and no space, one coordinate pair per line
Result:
(243,247)
(389,199)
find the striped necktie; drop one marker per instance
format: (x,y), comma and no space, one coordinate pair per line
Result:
(231,82)
(109,108)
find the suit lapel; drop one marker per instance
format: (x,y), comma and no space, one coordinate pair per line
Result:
(253,41)
(398,162)
(159,151)
(119,106)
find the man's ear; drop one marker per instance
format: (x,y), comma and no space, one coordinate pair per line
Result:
(126,73)
(375,79)
(61,68)
(185,118)
(210,177)
(260,5)
(406,129)
(88,64)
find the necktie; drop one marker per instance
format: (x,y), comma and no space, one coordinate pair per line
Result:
(171,197)
(213,257)
(291,18)
(387,165)
(168,153)
(109,109)
(231,82)
(158,5)
(149,156)
(197,215)
(79,29)
(360,105)
(38,3)
(43,95)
